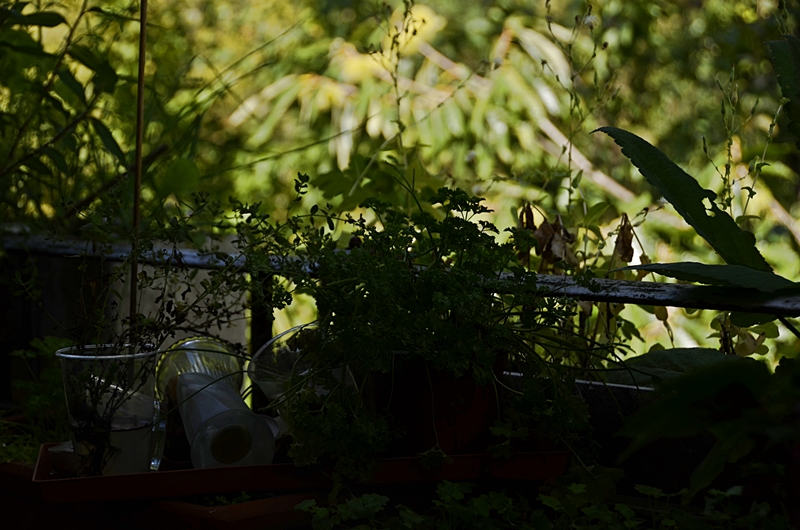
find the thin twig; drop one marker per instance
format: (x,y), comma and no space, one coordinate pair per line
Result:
(790,327)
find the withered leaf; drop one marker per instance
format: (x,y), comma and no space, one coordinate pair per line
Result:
(543,235)
(624,246)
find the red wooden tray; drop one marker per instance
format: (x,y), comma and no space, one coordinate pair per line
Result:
(273,512)
(283,477)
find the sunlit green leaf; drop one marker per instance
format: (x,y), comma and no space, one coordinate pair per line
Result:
(594,213)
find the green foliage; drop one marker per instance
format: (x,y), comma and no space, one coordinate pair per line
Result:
(226,500)
(44,113)
(393,289)
(67,120)
(786,59)
(365,507)
(44,400)
(431,292)
(588,504)
(500,99)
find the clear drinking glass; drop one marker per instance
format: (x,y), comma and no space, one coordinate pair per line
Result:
(114,417)
(281,358)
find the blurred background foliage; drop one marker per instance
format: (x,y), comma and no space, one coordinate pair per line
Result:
(496,96)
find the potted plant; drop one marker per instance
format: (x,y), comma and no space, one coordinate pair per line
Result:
(418,319)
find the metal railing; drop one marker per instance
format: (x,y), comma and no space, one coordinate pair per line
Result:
(688,296)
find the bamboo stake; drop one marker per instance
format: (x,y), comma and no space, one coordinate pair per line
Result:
(137,183)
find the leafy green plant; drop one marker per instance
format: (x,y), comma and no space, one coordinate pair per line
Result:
(414,297)
(737,400)
(42,403)
(67,120)
(365,507)
(568,505)
(748,410)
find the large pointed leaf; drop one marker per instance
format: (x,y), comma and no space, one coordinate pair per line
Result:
(727,275)
(660,365)
(786,60)
(695,204)
(730,385)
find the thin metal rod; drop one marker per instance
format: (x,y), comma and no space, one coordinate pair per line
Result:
(137,182)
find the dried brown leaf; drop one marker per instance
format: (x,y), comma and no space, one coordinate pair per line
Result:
(624,246)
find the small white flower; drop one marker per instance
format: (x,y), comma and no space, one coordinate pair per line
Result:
(590,21)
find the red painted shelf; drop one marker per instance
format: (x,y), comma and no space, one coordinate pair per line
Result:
(286,477)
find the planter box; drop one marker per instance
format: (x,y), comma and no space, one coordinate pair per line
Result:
(286,477)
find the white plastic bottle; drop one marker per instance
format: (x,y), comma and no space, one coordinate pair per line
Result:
(220,427)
